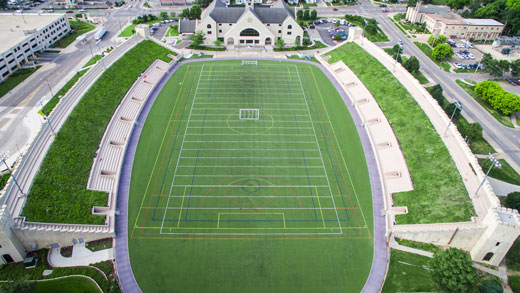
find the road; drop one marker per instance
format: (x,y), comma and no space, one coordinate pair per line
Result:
(505,138)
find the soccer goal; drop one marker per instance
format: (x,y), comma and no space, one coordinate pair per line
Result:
(250,62)
(249,114)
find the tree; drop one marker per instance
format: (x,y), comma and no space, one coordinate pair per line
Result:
(185,12)
(513,201)
(458,4)
(513,4)
(434,41)
(338,37)
(297,42)
(217,43)
(314,14)
(164,15)
(3,4)
(280,44)
(197,39)
(411,3)
(490,286)
(441,52)
(412,64)
(306,14)
(397,49)
(203,3)
(195,12)
(299,14)
(172,14)
(436,92)
(371,29)
(472,130)
(452,270)
(515,67)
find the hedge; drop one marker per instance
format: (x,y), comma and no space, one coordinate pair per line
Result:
(58,193)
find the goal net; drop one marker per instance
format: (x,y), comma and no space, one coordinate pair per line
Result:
(249,114)
(250,62)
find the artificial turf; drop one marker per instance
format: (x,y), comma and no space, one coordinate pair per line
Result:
(282,203)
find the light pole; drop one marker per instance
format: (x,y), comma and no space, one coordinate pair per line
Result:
(494,163)
(4,160)
(47,117)
(458,106)
(397,54)
(91,53)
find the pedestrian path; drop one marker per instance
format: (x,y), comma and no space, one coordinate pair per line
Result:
(81,256)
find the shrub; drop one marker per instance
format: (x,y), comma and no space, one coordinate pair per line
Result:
(452,270)
(502,101)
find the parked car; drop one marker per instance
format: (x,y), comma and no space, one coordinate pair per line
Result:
(334,9)
(382,5)
(82,10)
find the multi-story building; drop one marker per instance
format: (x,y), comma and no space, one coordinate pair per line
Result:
(441,21)
(248,25)
(22,35)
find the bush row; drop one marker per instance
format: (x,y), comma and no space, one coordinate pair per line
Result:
(505,102)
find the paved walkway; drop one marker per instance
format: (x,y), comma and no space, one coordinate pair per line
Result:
(503,188)
(380,260)
(81,256)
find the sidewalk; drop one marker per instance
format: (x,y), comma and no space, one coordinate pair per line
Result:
(81,256)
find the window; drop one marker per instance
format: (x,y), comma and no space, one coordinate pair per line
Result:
(219,31)
(289,27)
(242,41)
(209,32)
(289,33)
(280,31)
(498,243)
(230,24)
(280,24)
(268,24)
(488,256)
(249,32)
(209,25)
(219,24)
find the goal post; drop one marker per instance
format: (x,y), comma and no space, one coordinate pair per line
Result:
(249,114)
(250,62)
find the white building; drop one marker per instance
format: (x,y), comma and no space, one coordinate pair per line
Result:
(21,35)
(249,25)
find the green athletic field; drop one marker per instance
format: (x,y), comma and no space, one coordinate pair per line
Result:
(250,178)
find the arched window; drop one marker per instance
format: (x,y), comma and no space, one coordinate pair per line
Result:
(209,25)
(249,32)
(289,27)
(488,256)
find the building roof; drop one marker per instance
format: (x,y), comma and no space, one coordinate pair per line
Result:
(187,26)
(483,21)
(222,13)
(444,10)
(14,28)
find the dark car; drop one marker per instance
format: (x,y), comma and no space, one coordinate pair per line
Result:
(382,5)
(334,9)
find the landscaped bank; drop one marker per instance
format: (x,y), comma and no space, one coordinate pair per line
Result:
(58,193)
(439,194)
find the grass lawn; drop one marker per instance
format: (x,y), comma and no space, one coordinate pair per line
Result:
(506,173)
(58,193)
(51,104)
(427,50)
(514,282)
(419,245)
(172,31)
(513,255)
(197,56)
(67,285)
(15,79)
(505,120)
(439,194)
(408,272)
(78,28)
(93,60)
(398,25)
(278,203)
(300,58)
(128,31)
(3,180)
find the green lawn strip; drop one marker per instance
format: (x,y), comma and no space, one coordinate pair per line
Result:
(51,104)
(408,272)
(317,45)
(93,60)
(128,31)
(477,146)
(418,75)
(78,28)
(514,282)
(52,51)
(58,193)
(380,36)
(196,56)
(505,120)
(3,180)
(303,58)
(418,245)
(398,25)
(15,79)
(427,50)
(439,194)
(259,264)
(67,285)
(513,255)
(506,173)
(173,31)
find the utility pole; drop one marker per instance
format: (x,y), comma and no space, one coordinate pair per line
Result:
(458,106)
(494,163)
(4,158)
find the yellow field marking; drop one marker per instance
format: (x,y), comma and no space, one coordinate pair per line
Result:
(182,205)
(319,203)
(159,152)
(340,150)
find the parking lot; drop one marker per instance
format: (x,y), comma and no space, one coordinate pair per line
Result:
(327,28)
(466,56)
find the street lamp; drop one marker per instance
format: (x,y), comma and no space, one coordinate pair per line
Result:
(397,54)
(47,117)
(4,160)
(494,163)
(458,106)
